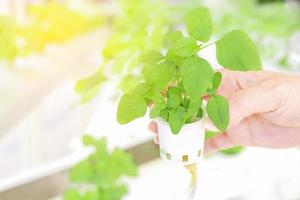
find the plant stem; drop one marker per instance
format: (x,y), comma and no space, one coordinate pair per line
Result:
(206,45)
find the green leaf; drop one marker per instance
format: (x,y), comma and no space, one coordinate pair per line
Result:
(176,120)
(71,194)
(129,82)
(130,107)
(210,134)
(196,76)
(236,51)
(82,172)
(89,87)
(193,108)
(174,97)
(157,98)
(186,102)
(199,113)
(88,140)
(155,111)
(142,89)
(199,24)
(233,150)
(174,36)
(184,47)
(159,75)
(91,195)
(216,80)
(123,163)
(88,95)
(176,60)
(151,57)
(164,114)
(218,111)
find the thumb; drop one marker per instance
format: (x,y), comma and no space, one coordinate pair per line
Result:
(258,99)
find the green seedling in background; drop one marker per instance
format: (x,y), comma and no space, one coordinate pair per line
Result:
(42,27)
(175,83)
(54,23)
(270,31)
(99,175)
(8,35)
(138,27)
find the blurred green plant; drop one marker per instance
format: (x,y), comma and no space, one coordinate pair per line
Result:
(139,26)
(99,177)
(54,23)
(273,19)
(269,1)
(8,39)
(270,24)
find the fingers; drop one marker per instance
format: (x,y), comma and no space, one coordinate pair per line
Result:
(153,128)
(253,100)
(219,142)
(233,81)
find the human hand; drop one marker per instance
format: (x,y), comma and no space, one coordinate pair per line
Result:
(264,111)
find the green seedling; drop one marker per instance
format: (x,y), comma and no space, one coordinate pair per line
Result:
(99,175)
(175,83)
(8,36)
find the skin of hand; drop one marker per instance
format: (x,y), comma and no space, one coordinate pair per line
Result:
(264,111)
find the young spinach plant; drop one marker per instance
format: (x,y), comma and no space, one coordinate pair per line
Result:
(175,83)
(99,176)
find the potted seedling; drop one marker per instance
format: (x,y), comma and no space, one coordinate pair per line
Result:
(175,84)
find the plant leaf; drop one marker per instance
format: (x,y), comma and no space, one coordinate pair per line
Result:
(210,134)
(176,119)
(82,172)
(184,47)
(129,82)
(199,24)
(196,76)
(164,114)
(217,78)
(186,102)
(89,87)
(88,140)
(155,111)
(199,113)
(159,75)
(142,89)
(233,150)
(172,37)
(157,98)
(193,108)
(174,97)
(174,59)
(72,194)
(236,51)
(218,111)
(151,57)
(130,107)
